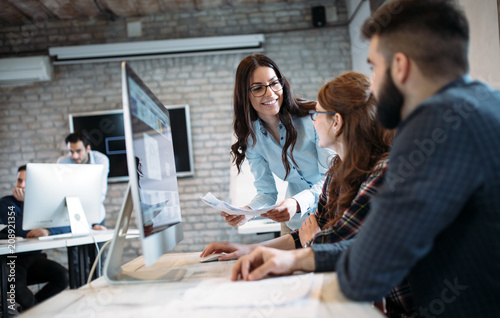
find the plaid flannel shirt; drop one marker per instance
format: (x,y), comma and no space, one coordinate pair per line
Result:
(399,299)
(352,218)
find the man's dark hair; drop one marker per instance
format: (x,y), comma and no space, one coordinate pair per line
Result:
(21,168)
(433,33)
(78,136)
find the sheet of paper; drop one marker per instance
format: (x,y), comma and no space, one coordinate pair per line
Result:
(290,296)
(220,205)
(282,297)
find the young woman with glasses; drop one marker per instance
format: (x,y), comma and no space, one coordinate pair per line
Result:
(275,134)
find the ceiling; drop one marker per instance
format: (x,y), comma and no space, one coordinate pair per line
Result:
(19,11)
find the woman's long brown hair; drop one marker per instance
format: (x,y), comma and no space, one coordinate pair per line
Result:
(366,141)
(245,115)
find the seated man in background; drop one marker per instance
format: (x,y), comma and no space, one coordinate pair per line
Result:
(31,267)
(80,153)
(436,219)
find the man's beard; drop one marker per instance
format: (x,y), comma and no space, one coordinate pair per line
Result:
(389,103)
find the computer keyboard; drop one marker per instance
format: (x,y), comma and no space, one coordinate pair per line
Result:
(55,237)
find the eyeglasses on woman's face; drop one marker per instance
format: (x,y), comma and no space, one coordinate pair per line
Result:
(314,114)
(260,90)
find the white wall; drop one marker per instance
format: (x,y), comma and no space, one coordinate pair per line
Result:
(484,54)
(242,190)
(359,47)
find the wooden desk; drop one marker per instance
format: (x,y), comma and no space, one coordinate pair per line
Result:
(147,300)
(84,251)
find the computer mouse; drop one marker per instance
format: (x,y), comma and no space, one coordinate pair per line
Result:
(210,258)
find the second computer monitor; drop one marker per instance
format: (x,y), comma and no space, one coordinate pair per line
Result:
(48,185)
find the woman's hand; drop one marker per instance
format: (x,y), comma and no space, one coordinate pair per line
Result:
(284,212)
(235,220)
(308,229)
(232,250)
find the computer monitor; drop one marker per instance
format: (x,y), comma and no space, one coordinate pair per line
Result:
(62,195)
(153,191)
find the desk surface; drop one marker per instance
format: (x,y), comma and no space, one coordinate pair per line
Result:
(144,300)
(34,244)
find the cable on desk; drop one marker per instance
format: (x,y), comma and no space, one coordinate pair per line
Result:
(97,261)
(99,253)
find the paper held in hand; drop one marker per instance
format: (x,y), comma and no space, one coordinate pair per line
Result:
(211,200)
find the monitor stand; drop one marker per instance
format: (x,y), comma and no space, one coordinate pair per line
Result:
(113,271)
(77,221)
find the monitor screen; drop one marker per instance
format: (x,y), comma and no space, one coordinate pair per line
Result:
(153,158)
(152,190)
(152,168)
(49,184)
